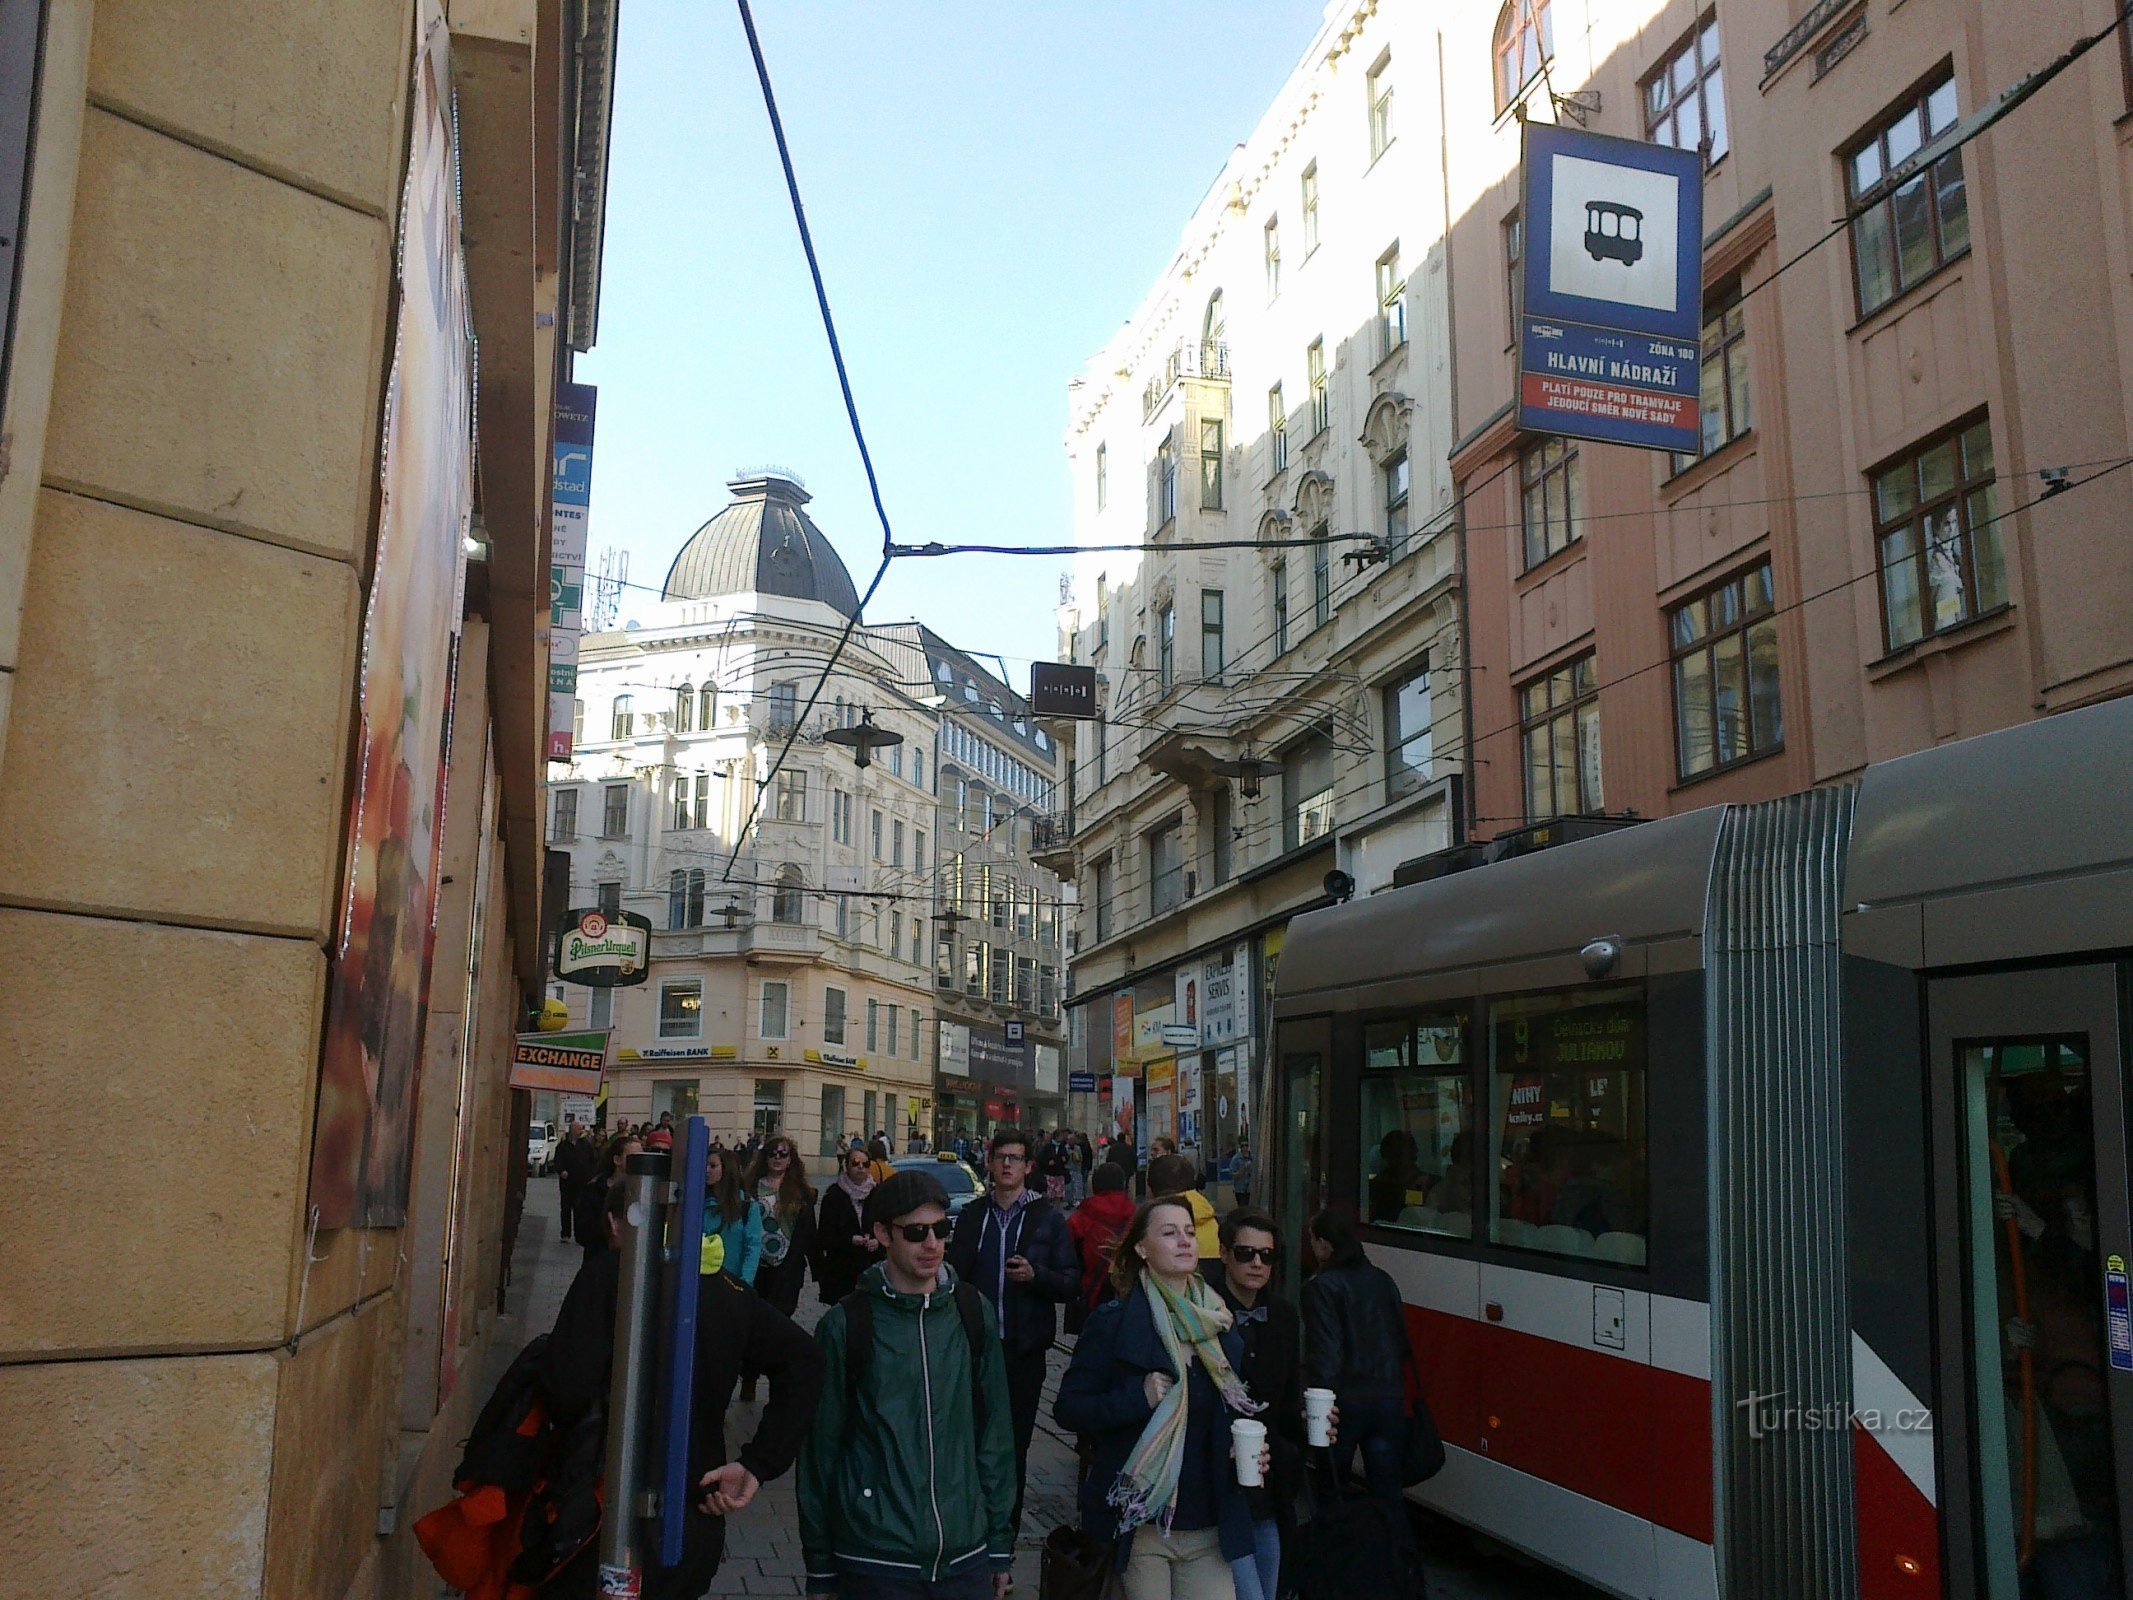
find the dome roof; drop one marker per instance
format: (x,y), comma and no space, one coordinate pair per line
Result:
(763,543)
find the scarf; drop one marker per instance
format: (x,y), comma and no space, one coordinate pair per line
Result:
(857,1191)
(1190,1324)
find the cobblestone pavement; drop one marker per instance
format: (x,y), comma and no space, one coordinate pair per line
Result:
(763,1544)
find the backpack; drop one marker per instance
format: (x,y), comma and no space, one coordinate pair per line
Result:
(1354,1546)
(859,1344)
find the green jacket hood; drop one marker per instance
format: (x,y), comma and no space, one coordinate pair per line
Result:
(875,1281)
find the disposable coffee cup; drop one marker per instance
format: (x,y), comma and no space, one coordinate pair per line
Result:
(1245,1439)
(1318,1412)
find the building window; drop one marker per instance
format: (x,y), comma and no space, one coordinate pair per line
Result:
(1166,479)
(681,1009)
(917,1029)
(1725,649)
(1936,528)
(1100,879)
(786,897)
(1554,491)
(784,706)
(707,707)
(1514,270)
(974,967)
(1685,98)
(1103,476)
(840,817)
(1903,234)
(1377,89)
(1393,476)
(772,1016)
(832,1128)
(681,800)
(889,1044)
(918,849)
(694,916)
(999,975)
(684,708)
(1310,209)
(1166,639)
(1321,576)
(677,898)
(1271,235)
(1321,397)
(1219,832)
(623,721)
(600,1013)
(701,816)
(1210,464)
(1724,404)
(1277,428)
(896,842)
(609,900)
(1560,718)
(789,796)
(566,815)
(1280,582)
(1392,303)
(615,811)
(1408,722)
(1525,38)
(1211,635)
(874,833)
(844,916)
(1307,792)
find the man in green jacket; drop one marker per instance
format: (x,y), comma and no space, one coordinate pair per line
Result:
(907,1478)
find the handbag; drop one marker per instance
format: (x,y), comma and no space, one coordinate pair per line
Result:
(1079,1566)
(1422,1452)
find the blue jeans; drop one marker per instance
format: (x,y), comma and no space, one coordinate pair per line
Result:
(1258,1575)
(1379,1429)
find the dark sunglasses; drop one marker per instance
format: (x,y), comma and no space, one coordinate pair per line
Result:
(1263,1254)
(915,1232)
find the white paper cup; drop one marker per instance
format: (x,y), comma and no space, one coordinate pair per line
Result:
(1245,1439)
(1318,1409)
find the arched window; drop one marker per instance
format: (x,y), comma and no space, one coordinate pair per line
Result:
(696,898)
(707,707)
(1525,38)
(785,899)
(677,898)
(1214,327)
(684,707)
(623,723)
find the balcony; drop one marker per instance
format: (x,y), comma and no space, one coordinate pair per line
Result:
(1202,360)
(1051,844)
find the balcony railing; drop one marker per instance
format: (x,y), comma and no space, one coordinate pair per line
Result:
(1796,36)
(1204,360)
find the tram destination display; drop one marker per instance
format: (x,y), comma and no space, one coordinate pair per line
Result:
(1611,310)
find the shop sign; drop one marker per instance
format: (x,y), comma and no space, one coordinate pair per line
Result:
(1611,320)
(955,1050)
(1148,1029)
(993,1056)
(835,1058)
(1184,1031)
(567,1062)
(1219,991)
(955,1083)
(1181,1036)
(2118,1313)
(1081,1082)
(1122,1026)
(603,950)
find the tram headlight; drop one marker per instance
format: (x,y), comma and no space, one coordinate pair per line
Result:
(1601,956)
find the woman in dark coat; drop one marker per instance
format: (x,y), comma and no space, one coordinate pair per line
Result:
(844,1246)
(589,1221)
(1355,1343)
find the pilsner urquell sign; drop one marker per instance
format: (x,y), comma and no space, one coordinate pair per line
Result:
(603,949)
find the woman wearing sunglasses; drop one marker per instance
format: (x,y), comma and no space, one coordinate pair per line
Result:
(1154,1384)
(787,1200)
(1272,1368)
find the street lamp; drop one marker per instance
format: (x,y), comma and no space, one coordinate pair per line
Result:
(864,739)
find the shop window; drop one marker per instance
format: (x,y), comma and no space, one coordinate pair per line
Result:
(832,1120)
(1416,1119)
(1903,233)
(769,1106)
(1936,527)
(1725,647)
(1567,1134)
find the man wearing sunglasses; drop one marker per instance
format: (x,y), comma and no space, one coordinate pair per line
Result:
(1014,1245)
(906,1487)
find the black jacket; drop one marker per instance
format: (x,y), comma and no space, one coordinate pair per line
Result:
(1028,1312)
(781,1284)
(838,1261)
(588,1213)
(1104,1395)
(1355,1332)
(1272,1369)
(733,1326)
(574,1162)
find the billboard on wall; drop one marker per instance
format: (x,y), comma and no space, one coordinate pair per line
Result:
(378,987)
(570,504)
(1612,307)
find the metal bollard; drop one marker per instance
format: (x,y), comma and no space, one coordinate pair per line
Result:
(629,1390)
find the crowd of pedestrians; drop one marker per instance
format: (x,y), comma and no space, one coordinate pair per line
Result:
(1205,1403)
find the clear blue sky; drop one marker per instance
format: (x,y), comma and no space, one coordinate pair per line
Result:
(992,189)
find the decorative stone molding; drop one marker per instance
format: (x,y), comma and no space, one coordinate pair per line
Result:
(1276,524)
(1384,432)
(1314,499)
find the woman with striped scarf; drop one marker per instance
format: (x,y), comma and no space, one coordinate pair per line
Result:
(1153,1384)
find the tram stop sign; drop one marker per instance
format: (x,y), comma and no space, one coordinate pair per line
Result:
(1062,689)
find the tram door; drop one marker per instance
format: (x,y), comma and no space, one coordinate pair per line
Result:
(1300,1059)
(2031,1080)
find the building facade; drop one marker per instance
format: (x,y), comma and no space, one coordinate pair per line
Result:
(273,659)
(1278,667)
(791,984)
(1867,555)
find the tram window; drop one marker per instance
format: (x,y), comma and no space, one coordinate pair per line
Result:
(1567,1139)
(1417,1117)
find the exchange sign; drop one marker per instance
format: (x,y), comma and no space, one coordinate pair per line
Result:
(1613,293)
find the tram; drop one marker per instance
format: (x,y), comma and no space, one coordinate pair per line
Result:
(1756,1178)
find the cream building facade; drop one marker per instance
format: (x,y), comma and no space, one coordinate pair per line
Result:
(791,984)
(1277,668)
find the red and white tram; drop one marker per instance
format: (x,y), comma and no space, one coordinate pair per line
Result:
(1756,1179)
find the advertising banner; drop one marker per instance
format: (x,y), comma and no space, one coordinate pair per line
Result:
(955,1050)
(569,1062)
(1122,1027)
(1124,1123)
(378,986)
(1612,313)
(1184,1029)
(604,950)
(570,506)
(1219,993)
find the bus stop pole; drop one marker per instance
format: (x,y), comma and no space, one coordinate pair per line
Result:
(629,1389)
